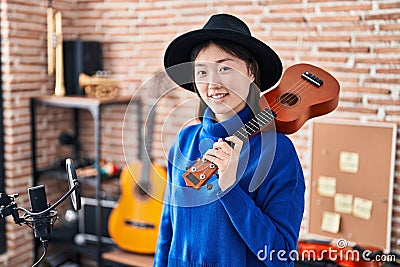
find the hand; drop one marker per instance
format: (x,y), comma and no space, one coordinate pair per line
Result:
(227,159)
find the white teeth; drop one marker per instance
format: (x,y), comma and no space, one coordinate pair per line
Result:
(218,96)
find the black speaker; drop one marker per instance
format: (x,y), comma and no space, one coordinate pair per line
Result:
(80,57)
(88,224)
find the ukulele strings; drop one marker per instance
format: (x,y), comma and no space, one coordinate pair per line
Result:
(299,87)
(259,117)
(298,90)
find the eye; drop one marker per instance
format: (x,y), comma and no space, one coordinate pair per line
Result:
(224,69)
(201,73)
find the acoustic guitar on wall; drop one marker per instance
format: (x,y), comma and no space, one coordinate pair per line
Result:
(134,222)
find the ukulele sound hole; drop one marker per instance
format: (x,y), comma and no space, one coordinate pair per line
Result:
(288,99)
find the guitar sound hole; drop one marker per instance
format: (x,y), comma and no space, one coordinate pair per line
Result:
(141,193)
(288,99)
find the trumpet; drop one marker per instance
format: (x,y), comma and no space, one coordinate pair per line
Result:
(98,86)
(54,47)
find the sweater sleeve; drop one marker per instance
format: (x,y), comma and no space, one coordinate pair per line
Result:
(165,232)
(269,224)
(164,239)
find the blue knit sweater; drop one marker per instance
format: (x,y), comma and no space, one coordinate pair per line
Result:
(255,222)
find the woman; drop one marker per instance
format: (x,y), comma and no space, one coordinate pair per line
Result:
(251,214)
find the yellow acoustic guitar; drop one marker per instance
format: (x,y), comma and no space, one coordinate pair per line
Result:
(134,222)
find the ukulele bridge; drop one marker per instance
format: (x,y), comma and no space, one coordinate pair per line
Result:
(312,79)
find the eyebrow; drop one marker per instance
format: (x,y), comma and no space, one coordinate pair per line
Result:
(218,61)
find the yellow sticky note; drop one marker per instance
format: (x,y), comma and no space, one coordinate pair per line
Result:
(362,208)
(330,222)
(348,162)
(326,186)
(343,203)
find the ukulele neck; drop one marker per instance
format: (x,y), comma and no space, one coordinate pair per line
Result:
(257,123)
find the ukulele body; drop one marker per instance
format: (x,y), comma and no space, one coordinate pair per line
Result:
(134,222)
(299,97)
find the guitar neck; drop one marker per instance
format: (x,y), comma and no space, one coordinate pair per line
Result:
(146,148)
(257,123)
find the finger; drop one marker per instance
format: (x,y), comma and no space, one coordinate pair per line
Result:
(218,153)
(216,161)
(223,146)
(238,143)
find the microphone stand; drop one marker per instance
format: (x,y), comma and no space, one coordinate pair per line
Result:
(33,219)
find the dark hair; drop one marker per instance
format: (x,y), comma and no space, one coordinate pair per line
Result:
(252,65)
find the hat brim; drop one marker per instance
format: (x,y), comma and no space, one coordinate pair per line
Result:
(180,49)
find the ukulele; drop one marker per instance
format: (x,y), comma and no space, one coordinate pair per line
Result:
(305,91)
(134,223)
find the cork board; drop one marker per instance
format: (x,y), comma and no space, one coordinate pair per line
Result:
(352,172)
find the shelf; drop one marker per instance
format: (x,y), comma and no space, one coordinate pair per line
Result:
(80,101)
(60,174)
(94,106)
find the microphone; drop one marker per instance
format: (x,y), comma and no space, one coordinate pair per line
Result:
(42,223)
(42,216)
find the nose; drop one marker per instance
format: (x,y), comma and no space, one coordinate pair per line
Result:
(214,81)
(214,86)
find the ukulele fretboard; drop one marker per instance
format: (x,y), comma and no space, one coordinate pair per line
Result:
(255,124)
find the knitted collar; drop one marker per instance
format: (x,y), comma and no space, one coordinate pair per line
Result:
(227,127)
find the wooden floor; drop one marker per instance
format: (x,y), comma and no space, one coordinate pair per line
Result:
(127,258)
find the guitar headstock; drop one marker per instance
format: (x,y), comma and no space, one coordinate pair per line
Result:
(197,175)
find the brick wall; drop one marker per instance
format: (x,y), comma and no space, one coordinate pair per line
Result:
(357,41)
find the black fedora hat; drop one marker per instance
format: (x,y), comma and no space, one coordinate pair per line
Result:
(222,27)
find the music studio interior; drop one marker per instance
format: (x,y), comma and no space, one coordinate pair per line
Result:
(85,106)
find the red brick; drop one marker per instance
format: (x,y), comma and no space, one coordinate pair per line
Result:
(389,5)
(351,99)
(323,19)
(327,38)
(292,10)
(383,80)
(363,89)
(360,110)
(388,71)
(355,70)
(386,50)
(361,49)
(389,27)
(383,16)
(278,2)
(378,38)
(286,19)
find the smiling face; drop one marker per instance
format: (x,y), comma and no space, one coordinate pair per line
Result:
(222,81)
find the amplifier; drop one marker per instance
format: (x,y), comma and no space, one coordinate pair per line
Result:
(80,57)
(87,221)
